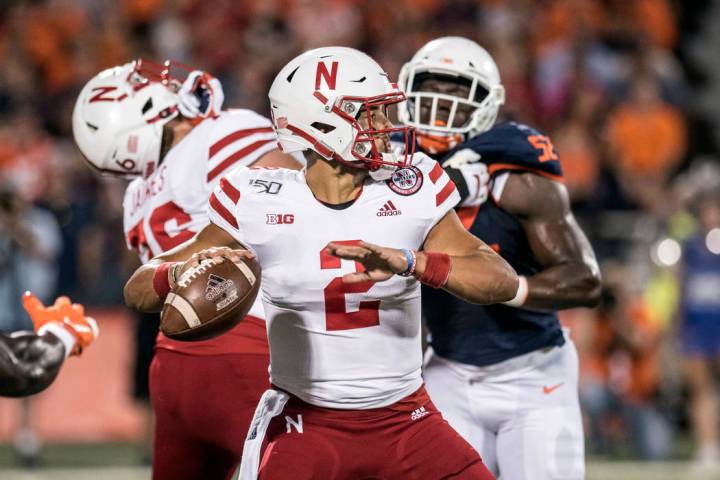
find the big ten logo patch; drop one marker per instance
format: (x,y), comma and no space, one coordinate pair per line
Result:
(279,218)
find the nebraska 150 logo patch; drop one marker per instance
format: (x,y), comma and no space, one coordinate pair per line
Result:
(406,181)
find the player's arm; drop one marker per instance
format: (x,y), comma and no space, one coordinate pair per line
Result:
(571,276)
(144,289)
(29,363)
(451,258)
(477,274)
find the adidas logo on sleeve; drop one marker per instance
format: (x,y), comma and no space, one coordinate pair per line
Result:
(388,210)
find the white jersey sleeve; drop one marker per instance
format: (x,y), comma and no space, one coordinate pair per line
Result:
(445,193)
(224,202)
(237,137)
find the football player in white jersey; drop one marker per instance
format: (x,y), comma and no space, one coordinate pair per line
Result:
(138,120)
(343,312)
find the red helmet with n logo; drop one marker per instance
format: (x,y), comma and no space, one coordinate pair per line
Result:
(316,101)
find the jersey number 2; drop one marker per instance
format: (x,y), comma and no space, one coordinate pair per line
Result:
(336,315)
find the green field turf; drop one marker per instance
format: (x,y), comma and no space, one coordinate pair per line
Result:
(120,462)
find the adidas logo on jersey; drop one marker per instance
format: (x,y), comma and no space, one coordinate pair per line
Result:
(418,413)
(388,210)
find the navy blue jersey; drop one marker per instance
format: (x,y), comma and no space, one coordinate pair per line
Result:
(483,335)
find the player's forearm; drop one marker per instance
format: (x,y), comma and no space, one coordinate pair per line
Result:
(139,292)
(482,277)
(564,286)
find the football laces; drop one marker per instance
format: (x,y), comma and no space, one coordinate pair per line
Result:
(194,272)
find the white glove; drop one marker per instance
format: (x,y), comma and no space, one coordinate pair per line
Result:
(475,173)
(201,96)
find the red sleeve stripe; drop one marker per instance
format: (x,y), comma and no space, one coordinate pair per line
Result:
(243,152)
(220,209)
(448,189)
(436,173)
(229,190)
(234,137)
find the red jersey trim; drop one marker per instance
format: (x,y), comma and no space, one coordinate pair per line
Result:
(222,211)
(436,173)
(225,164)
(235,136)
(447,190)
(229,190)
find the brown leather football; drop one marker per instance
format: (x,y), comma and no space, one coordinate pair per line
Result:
(210,299)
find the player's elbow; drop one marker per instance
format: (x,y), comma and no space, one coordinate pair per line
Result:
(509,283)
(590,285)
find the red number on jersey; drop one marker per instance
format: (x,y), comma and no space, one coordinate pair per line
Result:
(159,219)
(137,240)
(541,142)
(336,315)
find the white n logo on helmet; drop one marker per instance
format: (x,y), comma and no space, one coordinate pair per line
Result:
(322,74)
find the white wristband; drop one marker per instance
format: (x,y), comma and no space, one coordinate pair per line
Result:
(521,295)
(62,333)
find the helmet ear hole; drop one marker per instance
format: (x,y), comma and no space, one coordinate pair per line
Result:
(323,127)
(148,105)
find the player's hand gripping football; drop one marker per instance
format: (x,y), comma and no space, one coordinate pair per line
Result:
(201,96)
(216,254)
(380,263)
(70,315)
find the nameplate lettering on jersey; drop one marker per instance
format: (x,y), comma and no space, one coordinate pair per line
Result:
(153,186)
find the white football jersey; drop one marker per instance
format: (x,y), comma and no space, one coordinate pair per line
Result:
(331,344)
(170,206)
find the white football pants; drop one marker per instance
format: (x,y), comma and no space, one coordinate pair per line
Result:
(522,415)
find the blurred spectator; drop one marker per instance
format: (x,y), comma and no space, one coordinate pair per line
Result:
(29,243)
(647,141)
(700,324)
(619,380)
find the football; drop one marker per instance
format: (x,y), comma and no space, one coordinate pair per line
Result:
(210,299)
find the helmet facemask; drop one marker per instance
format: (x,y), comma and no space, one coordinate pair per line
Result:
(364,148)
(440,113)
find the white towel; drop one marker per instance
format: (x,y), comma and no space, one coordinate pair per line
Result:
(271,405)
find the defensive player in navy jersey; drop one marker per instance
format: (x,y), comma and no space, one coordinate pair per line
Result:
(505,376)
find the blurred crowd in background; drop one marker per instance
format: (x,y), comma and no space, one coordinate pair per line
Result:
(626,89)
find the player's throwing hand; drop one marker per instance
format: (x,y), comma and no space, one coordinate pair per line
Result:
(380,263)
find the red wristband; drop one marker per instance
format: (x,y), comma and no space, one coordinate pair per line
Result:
(161,279)
(437,269)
